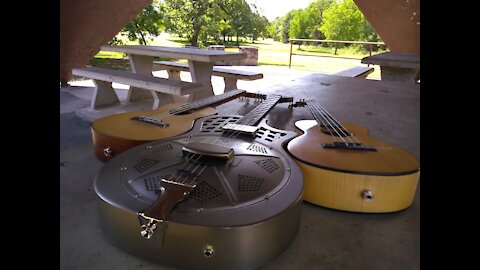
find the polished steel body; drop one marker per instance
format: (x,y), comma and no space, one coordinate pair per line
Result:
(243,212)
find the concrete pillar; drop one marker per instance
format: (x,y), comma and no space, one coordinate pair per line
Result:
(397,22)
(218,48)
(88,24)
(252,55)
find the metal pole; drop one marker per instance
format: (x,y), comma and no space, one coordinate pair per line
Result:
(290,61)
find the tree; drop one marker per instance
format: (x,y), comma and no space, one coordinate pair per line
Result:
(315,14)
(259,26)
(299,24)
(147,23)
(343,21)
(239,16)
(284,26)
(188,17)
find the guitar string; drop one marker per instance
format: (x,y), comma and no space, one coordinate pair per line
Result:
(348,135)
(249,118)
(352,136)
(259,110)
(320,119)
(204,102)
(189,180)
(331,123)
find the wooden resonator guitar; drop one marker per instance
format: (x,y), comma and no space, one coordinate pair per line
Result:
(116,133)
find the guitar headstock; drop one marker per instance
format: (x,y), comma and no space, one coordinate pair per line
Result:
(262,97)
(256,96)
(300,103)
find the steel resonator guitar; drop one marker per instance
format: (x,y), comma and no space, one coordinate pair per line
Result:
(225,195)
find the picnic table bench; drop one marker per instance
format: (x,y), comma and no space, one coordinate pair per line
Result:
(396,66)
(200,63)
(230,76)
(161,89)
(357,72)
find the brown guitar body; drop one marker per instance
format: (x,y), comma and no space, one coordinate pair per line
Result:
(117,133)
(360,181)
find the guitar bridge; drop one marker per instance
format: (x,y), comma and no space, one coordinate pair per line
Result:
(209,153)
(149,120)
(349,146)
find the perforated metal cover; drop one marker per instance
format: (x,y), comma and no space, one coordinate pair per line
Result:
(219,185)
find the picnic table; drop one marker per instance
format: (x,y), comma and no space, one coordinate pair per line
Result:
(396,66)
(200,62)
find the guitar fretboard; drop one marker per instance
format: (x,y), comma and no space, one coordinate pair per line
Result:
(254,116)
(204,102)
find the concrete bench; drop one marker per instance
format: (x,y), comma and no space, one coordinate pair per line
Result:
(161,89)
(357,71)
(230,76)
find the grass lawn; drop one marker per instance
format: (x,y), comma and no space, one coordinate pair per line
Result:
(269,53)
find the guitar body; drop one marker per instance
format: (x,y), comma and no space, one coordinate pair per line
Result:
(241,214)
(118,132)
(359,181)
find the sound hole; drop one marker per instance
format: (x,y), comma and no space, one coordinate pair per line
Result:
(335,131)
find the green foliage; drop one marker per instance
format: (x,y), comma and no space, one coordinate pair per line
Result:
(191,18)
(324,19)
(302,23)
(239,15)
(115,41)
(259,26)
(200,20)
(299,24)
(315,12)
(145,25)
(344,21)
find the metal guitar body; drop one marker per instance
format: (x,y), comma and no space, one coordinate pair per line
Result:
(241,214)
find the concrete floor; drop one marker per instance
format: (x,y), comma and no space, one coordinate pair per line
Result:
(327,239)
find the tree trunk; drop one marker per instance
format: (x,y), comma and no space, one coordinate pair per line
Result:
(196,33)
(144,42)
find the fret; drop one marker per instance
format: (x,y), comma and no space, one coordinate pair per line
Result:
(206,101)
(252,118)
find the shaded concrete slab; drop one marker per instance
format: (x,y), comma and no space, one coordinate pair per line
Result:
(327,239)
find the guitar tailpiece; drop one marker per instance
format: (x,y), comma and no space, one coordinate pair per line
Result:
(148,225)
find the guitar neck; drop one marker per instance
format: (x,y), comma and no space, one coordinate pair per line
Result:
(254,116)
(209,101)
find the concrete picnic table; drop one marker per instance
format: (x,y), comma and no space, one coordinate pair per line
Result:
(396,66)
(200,62)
